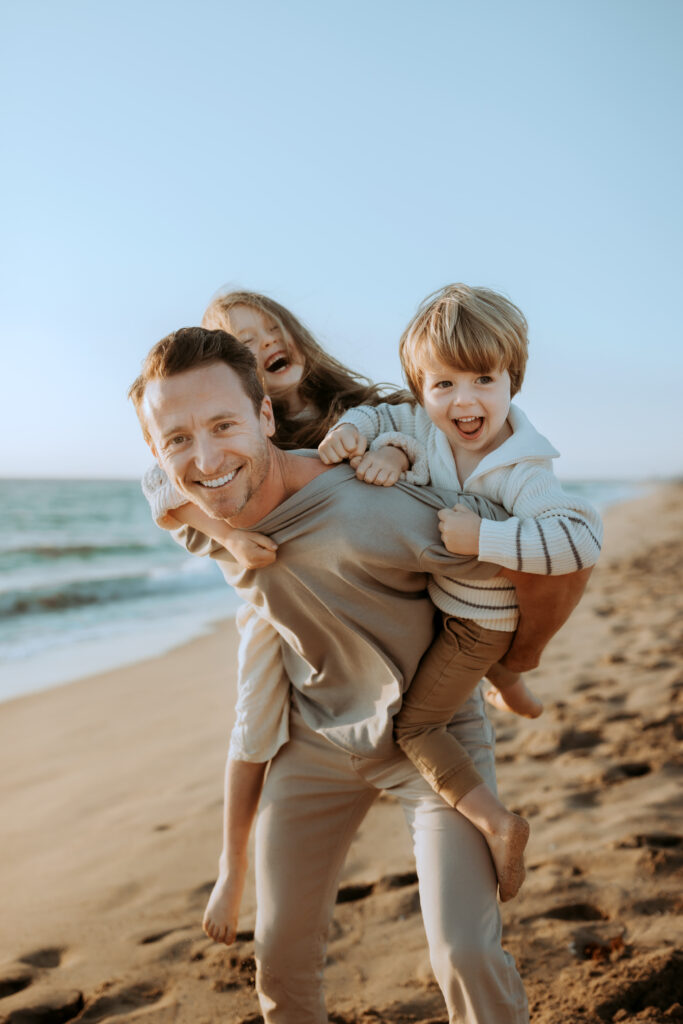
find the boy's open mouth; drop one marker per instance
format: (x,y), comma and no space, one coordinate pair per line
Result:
(469,427)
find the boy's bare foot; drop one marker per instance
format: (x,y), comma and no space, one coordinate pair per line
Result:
(507,851)
(511,693)
(222,910)
(506,834)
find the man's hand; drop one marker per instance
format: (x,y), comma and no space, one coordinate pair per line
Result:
(252,550)
(460,530)
(342,442)
(382,467)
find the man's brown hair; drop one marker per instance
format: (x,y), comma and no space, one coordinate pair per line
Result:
(190,347)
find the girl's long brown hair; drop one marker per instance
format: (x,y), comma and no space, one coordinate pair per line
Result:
(327,386)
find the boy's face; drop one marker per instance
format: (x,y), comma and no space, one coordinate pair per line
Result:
(470,408)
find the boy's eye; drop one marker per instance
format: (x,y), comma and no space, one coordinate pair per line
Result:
(247,341)
(442,384)
(484,379)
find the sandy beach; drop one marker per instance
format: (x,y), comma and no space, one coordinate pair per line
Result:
(111,792)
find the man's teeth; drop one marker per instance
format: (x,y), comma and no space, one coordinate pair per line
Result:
(220,481)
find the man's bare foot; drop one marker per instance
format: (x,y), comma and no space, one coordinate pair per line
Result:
(507,850)
(222,910)
(511,693)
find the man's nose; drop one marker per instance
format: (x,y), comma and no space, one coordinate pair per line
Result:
(208,456)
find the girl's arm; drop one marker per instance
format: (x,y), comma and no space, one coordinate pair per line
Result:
(172,511)
(261,728)
(243,784)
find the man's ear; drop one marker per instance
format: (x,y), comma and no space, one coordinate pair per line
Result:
(267,418)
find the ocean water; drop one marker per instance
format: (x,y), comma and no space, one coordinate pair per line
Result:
(89,582)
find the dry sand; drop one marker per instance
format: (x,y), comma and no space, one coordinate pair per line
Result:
(111,799)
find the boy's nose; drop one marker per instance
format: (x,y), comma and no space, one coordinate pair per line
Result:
(462,397)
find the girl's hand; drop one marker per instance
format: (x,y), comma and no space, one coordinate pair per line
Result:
(382,467)
(342,442)
(252,550)
(460,530)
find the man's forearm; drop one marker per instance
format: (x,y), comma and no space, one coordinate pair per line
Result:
(545,604)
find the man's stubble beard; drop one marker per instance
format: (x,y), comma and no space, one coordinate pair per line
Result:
(226,507)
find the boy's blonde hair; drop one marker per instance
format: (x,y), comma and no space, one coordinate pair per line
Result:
(469,329)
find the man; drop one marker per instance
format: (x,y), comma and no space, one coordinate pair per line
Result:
(347,595)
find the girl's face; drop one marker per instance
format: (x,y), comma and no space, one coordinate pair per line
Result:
(280,363)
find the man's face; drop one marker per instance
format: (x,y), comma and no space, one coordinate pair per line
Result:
(208,437)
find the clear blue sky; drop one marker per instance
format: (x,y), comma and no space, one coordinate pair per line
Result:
(347,158)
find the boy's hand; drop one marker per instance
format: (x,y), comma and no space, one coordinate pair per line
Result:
(342,442)
(252,550)
(460,530)
(382,467)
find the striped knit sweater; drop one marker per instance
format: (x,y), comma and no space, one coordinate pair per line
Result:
(549,531)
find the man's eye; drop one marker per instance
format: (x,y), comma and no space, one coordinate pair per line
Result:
(175,441)
(223,426)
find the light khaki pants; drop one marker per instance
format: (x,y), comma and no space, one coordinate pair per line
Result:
(314,800)
(461,654)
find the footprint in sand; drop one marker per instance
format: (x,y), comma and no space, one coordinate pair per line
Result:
(351,893)
(50,957)
(627,770)
(14,978)
(125,1000)
(570,912)
(56,1008)
(650,986)
(52,1008)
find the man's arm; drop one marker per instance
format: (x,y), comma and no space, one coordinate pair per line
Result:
(545,604)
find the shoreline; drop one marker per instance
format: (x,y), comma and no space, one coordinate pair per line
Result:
(135,642)
(112,789)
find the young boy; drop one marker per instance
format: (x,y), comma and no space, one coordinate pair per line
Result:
(464,356)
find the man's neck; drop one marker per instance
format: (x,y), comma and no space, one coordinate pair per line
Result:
(287,474)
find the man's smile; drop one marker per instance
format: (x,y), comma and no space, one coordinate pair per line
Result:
(219,481)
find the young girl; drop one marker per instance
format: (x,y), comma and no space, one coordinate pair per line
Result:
(464,356)
(310,390)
